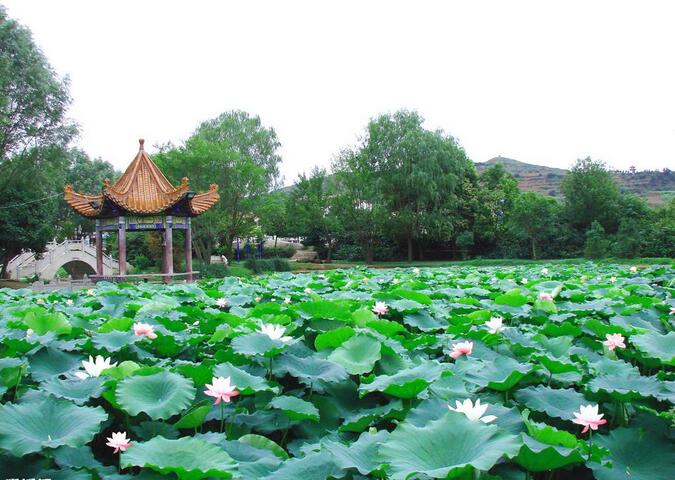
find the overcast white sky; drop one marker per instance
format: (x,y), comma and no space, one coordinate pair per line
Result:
(539,81)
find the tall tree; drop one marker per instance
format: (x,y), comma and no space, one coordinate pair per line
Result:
(272,214)
(235,151)
(358,202)
(495,196)
(311,211)
(33,104)
(419,174)
(534,216)
(591,194)
(33,133)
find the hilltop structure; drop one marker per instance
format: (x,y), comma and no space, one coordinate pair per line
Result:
(143,199)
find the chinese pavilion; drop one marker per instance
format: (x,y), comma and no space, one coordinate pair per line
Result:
(143,199)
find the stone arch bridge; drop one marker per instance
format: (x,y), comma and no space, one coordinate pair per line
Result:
(77,257)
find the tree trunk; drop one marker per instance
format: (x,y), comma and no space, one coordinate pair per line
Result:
(421,251)
(369,252)
(534,251)
(275,241)
(3,268)
(329,254)
(410,247)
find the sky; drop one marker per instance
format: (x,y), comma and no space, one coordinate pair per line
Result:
(543,82)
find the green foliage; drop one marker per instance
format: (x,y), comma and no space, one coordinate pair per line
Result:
(596,245)
(281,252)
(258,265)
(534,216)
(345,393)
(237,153)
(591,194)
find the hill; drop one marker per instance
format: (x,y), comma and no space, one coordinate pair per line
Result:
(654,186)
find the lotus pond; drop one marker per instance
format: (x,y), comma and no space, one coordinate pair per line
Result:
(563,372)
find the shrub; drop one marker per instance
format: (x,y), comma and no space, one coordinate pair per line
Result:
(281,265)
(258,265)
(281,252)
(348,251)
(141,262)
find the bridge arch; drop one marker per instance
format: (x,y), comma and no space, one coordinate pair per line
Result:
(75,267)
(77,257)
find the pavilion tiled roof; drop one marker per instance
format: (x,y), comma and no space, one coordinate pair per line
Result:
(142,189)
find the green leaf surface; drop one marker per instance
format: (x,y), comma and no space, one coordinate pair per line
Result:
(48,423)
(295,408)
(160,395)
(446,448)
(358,354)
(188,458)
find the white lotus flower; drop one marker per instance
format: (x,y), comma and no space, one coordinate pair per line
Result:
(584,278)
(395,281)
(524,281)
(544,271)
(308,290)
(94,368)
(287,300)
(612,279)
(473,412)
(495,324)
(69,302)
(40,301)
(221,303)
(91,292)
(416,271)
(275,332)
(258,299)
(29,333)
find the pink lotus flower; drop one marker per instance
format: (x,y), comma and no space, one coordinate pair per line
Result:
(221,389)
(545,296)
(461,348)
(380,308)
(614,340)
(589,417)
(473,412)
(118,441)
(221,303)
(144,329)
(584,278)
(672,310)
(40,301)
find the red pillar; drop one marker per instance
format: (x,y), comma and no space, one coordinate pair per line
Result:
(99,249)
(122,243)
(168,249)
(188,249)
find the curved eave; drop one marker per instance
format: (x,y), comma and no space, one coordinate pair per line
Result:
(146,205)
(201,202)
(83,204)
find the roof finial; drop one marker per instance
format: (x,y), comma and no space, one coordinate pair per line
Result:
(141,141)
